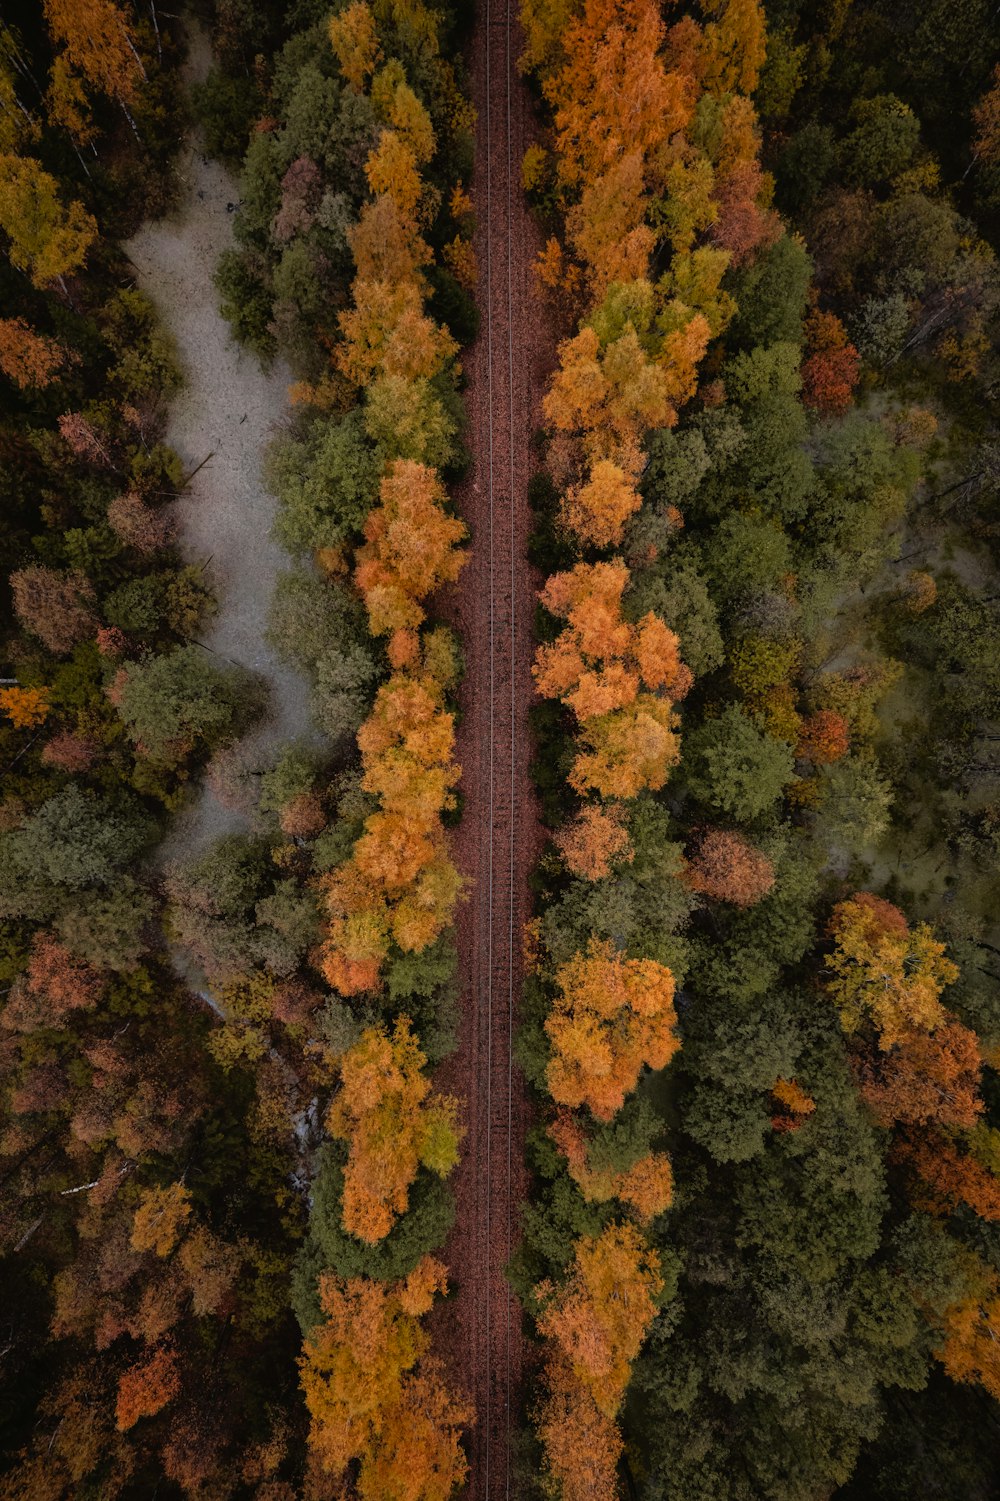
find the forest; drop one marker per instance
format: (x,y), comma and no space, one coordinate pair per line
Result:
(721,279)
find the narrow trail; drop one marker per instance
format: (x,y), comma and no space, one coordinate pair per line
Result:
(499,838)
(228,407)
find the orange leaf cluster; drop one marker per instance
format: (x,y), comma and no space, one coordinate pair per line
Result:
(970,1348)
(792,1103)
(619,679)
(611,1017)
(927,1077)
(950,1174)
(373,1397)
(831,370)
(411,548)
(883,973)
(25,707)
(147,1387)
(28,358)
(54,984)
(646,1187)
(598,1318)
(582,1444)
(594,842)
(725,867)
(159,1219)
(392,1123)
(400,884)
(823,738)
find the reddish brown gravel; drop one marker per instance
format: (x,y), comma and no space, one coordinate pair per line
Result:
(479,1330)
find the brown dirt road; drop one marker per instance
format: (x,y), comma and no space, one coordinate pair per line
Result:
(499,838)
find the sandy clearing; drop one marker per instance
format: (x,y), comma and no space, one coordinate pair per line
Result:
(228,407)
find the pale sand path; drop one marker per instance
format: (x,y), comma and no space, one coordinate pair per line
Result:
(228,406)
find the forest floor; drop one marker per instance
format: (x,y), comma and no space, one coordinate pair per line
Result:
(499,837)
(228,407)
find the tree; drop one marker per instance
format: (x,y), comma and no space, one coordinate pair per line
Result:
(986,118)
(99,43)
(595,842)
(734,45)
(411,548)
(727,869)
(75,839)
(598,666)
(139,525)
(26,708)
(611,1016)
(326,482)
(883,142)
(159,1218)
(952,1175)
(582,1445)
(30,359)
(832,368)
(882,972)
(372,1396)
(147,1387)
(616,1162)
(969,1349)
(400,884)
(54,984)
(54,606)
(598,510)
(47,241)
(734,767)
(598,1318)
(926,1077)
(610,90)
(823,738)
(393,1125)
(353,39)
(172,702)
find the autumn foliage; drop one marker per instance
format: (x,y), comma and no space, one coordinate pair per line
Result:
(645,1187)
(725,867)
(378,1405)
(611,1017)
(393,1125)
(597,1319)
(882,973)
(636,176)
(400,885)
(29,358)
(146,1387)
(594,842)
(411,548)
(374,1397)
(620,681)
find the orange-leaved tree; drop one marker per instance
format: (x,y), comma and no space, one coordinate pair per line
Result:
(926,1077)
(411,548)
(598,1318)
(611,1017)
(883,973)
(400,885)
(594,1324)
(393,1125)
(620,680)
(595,841)
(726,867)
(371,1394)
(30,359)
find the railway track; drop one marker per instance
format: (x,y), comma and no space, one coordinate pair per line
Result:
(494,1464)
(497,841)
